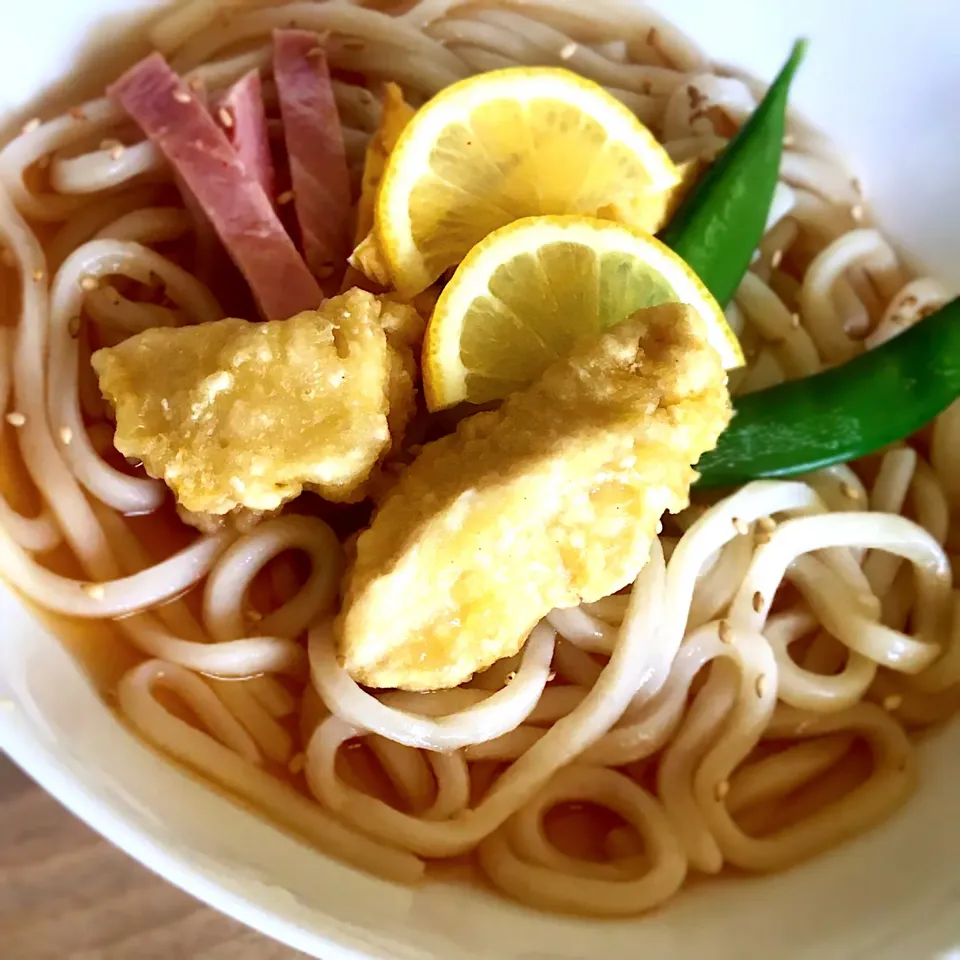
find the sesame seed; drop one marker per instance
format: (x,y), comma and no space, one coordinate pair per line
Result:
(725,631)
(741,526)
(77,113)
(195,84)
(849,491)
(66,435)
(758,601)
(285,197)
(789,140)
(182,96)
(856,211)
(255,616)
(109,143)
(659,527)
(89,283)
(892,702)
(568,50)
(38,274)
(767,524)
(94,591)
(510,677)
(315,52)
(776,259)
(16,419)
(552,675)
(226,117)
(31,125)
(117,152)
(73,327)
(761,684)
(795,320)
(296,764)
(722,789)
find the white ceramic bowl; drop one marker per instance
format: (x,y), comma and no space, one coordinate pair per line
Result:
(880,78)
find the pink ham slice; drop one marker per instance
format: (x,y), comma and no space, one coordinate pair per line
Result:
(247,129)
(318,165)
(233,199)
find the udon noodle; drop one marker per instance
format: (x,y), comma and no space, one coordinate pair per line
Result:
(753,701)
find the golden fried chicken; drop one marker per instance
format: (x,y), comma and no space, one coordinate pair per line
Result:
(236,414)
(550,500)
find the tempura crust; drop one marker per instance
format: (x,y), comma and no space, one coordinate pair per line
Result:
(549,501)
(238,414)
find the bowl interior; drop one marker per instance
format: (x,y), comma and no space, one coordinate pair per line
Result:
(874,80)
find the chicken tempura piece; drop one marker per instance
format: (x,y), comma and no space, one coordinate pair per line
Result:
(236,414)
(551,500)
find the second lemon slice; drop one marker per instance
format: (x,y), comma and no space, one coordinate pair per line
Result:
(505,145)
(524,295)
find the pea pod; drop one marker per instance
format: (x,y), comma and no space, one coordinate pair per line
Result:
(843,413)
(718,226)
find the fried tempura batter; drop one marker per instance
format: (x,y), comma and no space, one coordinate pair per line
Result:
(550,500)
(238,414)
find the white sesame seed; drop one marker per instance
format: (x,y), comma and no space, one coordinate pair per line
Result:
(195,84)
(117,152)
(510,677)
(285,197)
(297,762)
(66,435)
(722,789)
(789,140)
(795,320)
(16,419)
(31,125)
(761,684)
(77,113)
(89,283)
(892,702)
(182,96)
(856,211)
(568,50)
(849,491)
(758,601)
(109,143)
(725,631)
(552,675)
(94,591)
(73,327)
(255,616)
(226,117)
(776,259)
(38,274)
(741,526)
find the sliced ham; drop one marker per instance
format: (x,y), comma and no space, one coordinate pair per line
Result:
(245,120)
(318,164)
(233,199)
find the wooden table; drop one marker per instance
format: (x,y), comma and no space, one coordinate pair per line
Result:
(67,894)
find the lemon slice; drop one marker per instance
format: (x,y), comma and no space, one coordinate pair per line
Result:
(526,293)
(505,145)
